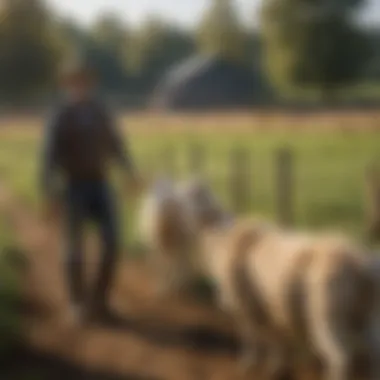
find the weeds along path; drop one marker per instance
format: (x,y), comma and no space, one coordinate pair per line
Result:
(150,338)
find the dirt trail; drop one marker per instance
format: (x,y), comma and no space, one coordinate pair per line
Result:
(170,339)
(148,339)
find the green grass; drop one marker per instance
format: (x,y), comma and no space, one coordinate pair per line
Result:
(10,291)
(329,169)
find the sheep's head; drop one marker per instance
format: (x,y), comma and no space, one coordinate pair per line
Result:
(205,207)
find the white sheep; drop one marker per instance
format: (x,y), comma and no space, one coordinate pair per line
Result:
(167,229)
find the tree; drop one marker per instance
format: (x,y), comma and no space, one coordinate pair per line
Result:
(72,37)
(310,43)
(221,34)
(108,44)
(373,71)
(28,48)
(155,47)
(111,33)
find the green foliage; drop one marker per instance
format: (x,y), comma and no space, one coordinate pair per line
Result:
(373,69)
(103,45)
(221,33)
(72,37)
(314,44)
(28,48)
(308,44)
(107,45)
(110,32)
(154,48)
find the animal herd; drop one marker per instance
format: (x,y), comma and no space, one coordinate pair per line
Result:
(286,291)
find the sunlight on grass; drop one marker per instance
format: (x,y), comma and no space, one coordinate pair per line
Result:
(329,169)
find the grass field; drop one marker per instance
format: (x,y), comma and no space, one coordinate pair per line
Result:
(10,291)
(331,155)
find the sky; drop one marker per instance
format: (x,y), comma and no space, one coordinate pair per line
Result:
(186,12)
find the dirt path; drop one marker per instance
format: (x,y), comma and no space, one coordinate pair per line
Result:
(169,339)
(149,339)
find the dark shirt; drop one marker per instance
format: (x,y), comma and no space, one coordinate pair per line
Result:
(80,141)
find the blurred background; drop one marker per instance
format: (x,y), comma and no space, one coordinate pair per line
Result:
(277,102)
(300,50)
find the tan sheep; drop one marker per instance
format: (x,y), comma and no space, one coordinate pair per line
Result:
(285,290)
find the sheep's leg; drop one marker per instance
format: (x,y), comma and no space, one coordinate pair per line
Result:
(374,339)
(173,273)
(169,282)
(330,336)
(250,336)
(163,272)
(250,357)
(253,347)
(333,349)
(277,359)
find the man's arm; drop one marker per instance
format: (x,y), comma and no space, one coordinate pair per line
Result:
(121,148)
(49,156)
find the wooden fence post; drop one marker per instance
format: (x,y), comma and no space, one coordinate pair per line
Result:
(373,202)
(285,186)
(148,165)
(196,159)
(240,180)
(169,160)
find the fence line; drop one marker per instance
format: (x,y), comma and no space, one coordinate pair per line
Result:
(373,202)
(285,186)
(239,179)
(197,159)
(169,156)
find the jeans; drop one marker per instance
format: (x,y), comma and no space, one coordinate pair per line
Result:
(90,201)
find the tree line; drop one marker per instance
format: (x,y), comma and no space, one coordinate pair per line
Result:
(299,44)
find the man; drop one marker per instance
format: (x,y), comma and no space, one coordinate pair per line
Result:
(80,142)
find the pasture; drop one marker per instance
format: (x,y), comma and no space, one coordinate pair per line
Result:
(330,154)
(187,339)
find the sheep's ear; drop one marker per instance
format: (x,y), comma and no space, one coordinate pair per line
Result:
(163,185)
(196,181)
